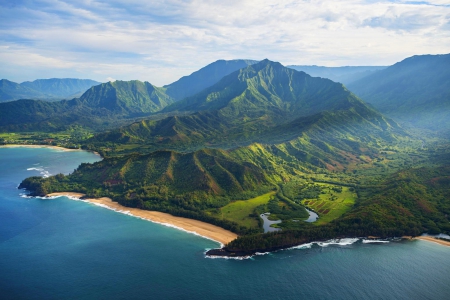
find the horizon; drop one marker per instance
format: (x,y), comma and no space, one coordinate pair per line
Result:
(287,66)
(162,41)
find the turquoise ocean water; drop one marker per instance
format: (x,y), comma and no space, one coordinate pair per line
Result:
(66,249)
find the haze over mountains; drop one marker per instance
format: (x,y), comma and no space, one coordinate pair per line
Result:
(345,75)
(414,91)
(48,89)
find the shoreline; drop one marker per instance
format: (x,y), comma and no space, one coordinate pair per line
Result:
(200,228)
(433,240)
(46,146)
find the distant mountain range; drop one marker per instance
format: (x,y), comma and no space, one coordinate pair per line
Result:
(345,75)
(415,91)
(46,89)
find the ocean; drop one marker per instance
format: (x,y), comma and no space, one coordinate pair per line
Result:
(66,249)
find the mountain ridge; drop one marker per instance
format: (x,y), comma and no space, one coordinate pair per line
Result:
(191,84)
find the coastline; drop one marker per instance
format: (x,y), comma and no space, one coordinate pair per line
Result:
(203,229)
(45,146)
(433,240)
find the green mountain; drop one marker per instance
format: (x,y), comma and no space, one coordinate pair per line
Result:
(126,97)
(268,88)
(192,84)
(102,106)
(345,75)
(45,89)
(414,91)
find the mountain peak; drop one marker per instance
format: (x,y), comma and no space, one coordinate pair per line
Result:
(207,76)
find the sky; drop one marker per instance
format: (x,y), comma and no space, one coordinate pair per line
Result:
(161,41)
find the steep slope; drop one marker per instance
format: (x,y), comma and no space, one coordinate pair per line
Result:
(45,89)
(345,75)
(415,90)
(102,106)
(192,84)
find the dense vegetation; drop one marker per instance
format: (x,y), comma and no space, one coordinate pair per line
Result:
(410,202)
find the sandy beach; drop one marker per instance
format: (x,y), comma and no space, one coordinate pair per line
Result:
(39,146)
(201,228)
(433,240)
(45,146)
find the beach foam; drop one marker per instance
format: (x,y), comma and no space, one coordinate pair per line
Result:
(364,241)
(302,246)
(339,242)
(41,171)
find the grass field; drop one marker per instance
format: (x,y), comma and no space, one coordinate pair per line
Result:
(331,204)
(239,211)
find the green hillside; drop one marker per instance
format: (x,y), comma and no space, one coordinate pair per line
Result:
(182,184)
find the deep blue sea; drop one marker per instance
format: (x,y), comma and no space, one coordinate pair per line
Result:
(66,249)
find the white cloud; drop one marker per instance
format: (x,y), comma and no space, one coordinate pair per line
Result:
(160,41)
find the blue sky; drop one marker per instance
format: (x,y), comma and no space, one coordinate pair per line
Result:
(160,41)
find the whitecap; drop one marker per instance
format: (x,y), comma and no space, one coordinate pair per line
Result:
(364,241)
(262,253)
(302,246)
(340,242)
(35,169)
(229,257)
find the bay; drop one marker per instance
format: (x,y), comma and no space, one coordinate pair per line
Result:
(66,249)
